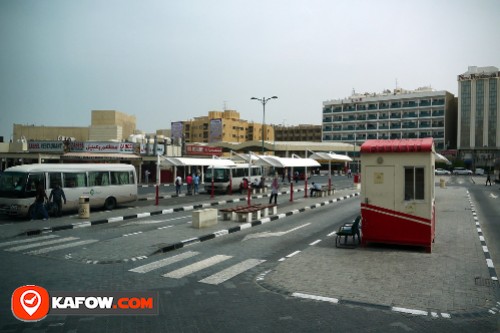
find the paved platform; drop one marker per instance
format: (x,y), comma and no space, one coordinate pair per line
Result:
(455,279)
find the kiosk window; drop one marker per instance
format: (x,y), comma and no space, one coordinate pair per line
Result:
(414,183)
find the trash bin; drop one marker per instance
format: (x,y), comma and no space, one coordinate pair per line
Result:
(84,208)
(442,183)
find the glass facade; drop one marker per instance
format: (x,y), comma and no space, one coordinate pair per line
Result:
(465,113)
(479,112)
(492,113)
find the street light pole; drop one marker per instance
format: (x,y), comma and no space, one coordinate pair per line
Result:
(263,100)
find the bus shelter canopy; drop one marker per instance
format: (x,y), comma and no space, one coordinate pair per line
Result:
(185,161)
(286,162)
(331,157)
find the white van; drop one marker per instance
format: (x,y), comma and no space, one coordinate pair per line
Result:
(106,185)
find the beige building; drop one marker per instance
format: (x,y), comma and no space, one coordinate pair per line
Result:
(225,126)
(106,125)
(111,125)
(298,133)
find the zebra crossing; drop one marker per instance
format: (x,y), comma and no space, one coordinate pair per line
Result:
(44,244)
(204,264)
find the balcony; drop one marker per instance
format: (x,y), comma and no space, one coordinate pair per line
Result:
(395,115)
(424,114)
(425,102)
(410,104)
(424,125)
(372,107)
(361,117)
(410,115)
(372,136)
(327,110)
(395,125)
(383,106)
(361,107)
(438,101)
(395,105)
(438,113)
(372,117)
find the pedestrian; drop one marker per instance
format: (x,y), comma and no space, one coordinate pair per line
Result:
(196,181)
(296,177)
(189,183)
(274,190)
(178,183)
(57,197)
(39,205)
(488,179)
(147,173)
(349,173)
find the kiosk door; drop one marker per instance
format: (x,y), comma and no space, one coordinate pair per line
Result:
(380,190)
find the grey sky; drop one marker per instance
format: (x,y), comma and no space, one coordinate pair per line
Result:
(167,60)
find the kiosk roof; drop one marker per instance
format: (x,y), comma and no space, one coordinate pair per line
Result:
(398,146)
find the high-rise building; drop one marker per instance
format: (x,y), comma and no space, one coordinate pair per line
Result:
(479,115)
(397,114)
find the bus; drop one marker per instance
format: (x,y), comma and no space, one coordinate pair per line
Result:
(106,185)
(222,177)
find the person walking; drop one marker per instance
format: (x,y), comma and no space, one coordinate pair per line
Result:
(196,181)
(488,179)
(274,190)
(178,183)
(57,197)
(189,183)
(39,205)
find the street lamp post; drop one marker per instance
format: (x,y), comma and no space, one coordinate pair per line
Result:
(263,100)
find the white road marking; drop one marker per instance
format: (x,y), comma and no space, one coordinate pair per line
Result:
(198,266)
(60,247)
(410,311)
(272,234)
(493,196)
(292,254)
(315,242)
(29,246)
(316,298)
(231,272)
(331,234)
(156,221)
(163,262)
(489,262)
(29,240)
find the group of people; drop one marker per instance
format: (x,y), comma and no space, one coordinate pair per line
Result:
(56,198)
(192,183)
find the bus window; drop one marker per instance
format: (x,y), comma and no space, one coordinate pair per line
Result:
(98,178)
(55,178)
(75,179)
(119,177)
(34,179)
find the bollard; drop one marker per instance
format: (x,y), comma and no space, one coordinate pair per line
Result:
(84,208)
(442,183)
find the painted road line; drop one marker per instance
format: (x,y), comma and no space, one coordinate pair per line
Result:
(29,246)
(292,254)
(29,240)
(198,266)
(61,247)
(489,262)
(163,262)
(231,272)
(331,234)
(410,311)
(315,242)
(316,298)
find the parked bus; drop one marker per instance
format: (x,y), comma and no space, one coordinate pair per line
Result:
(222,177)
(106,185)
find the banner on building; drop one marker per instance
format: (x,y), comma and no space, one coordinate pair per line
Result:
(176,130)
(215,130)
(203,150)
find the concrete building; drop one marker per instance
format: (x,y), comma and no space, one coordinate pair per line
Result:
(302,132)
(479,116)
(106,125)
(225,126)
(398,114)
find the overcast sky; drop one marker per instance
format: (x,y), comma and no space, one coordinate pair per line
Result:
(168,60)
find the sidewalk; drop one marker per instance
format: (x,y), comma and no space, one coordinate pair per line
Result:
(453,280)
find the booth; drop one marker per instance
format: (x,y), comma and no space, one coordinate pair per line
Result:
(397,192)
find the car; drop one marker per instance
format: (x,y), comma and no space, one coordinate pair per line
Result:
(441,172)
(461,171)
(479,171)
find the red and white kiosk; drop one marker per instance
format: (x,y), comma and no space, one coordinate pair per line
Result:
(397,192)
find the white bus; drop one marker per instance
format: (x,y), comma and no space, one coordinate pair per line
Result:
(106,185)
(222,177)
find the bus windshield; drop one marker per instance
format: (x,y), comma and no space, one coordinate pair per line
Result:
(220,175)
(13,184)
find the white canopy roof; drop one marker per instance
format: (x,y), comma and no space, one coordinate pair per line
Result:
(285,162)
(332,157)
(440,158)
(185,161)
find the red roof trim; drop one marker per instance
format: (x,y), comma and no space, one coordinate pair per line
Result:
(398,146)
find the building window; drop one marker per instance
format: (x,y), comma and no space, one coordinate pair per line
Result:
(414,183)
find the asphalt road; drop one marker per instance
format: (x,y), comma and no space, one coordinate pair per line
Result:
(204,300)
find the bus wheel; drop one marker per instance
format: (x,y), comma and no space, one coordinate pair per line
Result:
(110,203)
